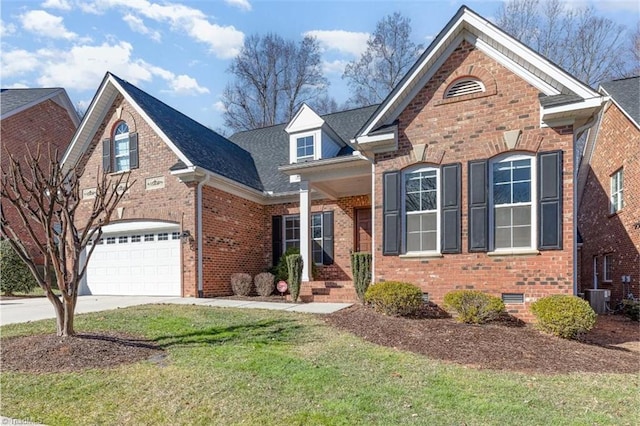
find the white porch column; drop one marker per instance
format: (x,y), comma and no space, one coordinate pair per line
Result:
(305,228)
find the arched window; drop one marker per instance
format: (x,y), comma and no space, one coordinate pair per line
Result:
(121,147)
(465,86)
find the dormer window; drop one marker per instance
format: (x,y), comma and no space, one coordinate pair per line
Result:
(465,86)
(304,148)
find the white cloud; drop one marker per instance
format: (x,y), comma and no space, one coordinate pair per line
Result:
(348,42)
(6,29)
(334,67)
(223,41)
(137,25)
(45,24)
(219,107)
(17,86)
(17,62)
(240,4)
(185,85)
(57,4)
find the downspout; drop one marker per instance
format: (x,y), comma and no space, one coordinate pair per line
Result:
(373,222)
(577,133)
(199,225)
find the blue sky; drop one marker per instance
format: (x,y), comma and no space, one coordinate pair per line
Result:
(179,51)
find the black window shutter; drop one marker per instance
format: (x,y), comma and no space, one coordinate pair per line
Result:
(550,200)
(106,155)
(133,150)
(276,238)
(478,205)
(391,213)
(450,203)
(327,238)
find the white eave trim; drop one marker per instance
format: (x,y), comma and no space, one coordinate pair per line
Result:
(322,165)
(587,104)
(197,174)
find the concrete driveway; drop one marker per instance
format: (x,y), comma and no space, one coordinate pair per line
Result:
(38,308)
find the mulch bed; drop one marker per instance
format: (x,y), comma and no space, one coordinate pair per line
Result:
(51,354)
(613,346)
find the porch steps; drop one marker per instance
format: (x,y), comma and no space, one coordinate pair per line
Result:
(327,291)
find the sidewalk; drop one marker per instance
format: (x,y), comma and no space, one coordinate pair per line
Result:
(14,311)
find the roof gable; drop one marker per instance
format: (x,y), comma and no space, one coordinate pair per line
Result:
(548,78)
(625,93)
(14,101)
(305,119)
(194,144)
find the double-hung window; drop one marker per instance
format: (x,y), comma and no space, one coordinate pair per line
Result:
(607,267)
(321,236)
(305,148)
(421,214)
(513,202)
(291,232)
(617,182)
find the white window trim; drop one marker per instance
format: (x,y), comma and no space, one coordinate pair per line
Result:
(119,137)
(293,146)
(613,206)
(534,210)
(606,265)
(319,240)
(421,253)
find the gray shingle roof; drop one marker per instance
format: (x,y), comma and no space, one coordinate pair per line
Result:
(12,99)
(556,100)
(201,145)
(270,145)
(626,93)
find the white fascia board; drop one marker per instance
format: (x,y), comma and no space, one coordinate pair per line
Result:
(151,123)
(586,104)
(529,55)
(89,124)
(198,174)
(363,140)
(147,225)
(305,112)
(407,84)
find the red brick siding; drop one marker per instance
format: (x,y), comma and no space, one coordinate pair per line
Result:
(468,129)
(343,229)
(233,239)
(618,145)
(45,124)
(176,202)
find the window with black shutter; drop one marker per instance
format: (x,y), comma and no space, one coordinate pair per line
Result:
(120,152)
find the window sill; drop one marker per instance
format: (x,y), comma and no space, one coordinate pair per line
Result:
(121,172)
(517,252)
(420,255)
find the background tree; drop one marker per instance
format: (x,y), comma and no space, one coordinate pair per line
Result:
(47,198)
(592,48)
(272,78)
(389,55)
(16,276)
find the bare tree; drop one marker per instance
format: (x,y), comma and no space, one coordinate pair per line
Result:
(389,56)
(590,47)
(273,77)
(46,198)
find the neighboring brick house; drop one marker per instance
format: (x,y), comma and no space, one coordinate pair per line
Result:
(30,118)
(609,194)
(462,178)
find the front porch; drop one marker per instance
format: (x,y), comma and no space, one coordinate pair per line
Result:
(327,291)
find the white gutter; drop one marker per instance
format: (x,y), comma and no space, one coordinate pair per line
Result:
(199,220)
(576,135)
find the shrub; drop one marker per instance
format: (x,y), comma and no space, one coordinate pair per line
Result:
(16,275)
(294,263)
(394,298)
(473,306)
(563,315)
(361,269)
(631,308)
(264,283)
(241,284)
(281,271)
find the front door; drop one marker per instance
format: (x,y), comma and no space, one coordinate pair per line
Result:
(363,230)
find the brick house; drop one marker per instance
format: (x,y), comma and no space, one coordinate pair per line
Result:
(30,118)
(609,194)
(462,178)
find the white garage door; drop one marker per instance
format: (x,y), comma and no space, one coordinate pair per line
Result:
(144,261)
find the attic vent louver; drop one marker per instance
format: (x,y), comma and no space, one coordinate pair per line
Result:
(464,87)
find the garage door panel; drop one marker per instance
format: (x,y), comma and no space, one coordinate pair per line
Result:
(128,267)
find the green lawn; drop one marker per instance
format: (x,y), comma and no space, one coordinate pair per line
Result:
(266,367)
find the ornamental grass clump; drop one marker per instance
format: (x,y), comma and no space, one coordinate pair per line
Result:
(294,264)
(241,284)
(394,298)
(361,268)
(265,284)
(563,315)
(473,306)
